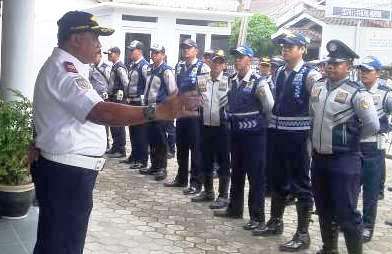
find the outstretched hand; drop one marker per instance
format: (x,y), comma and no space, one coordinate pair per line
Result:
(178,106)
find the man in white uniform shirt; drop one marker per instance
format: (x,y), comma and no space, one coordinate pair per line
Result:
(69,117)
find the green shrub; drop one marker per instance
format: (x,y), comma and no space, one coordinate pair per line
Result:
(16,134)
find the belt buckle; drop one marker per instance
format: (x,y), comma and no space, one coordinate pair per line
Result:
(100,164)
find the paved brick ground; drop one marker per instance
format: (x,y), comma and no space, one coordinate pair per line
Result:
(134,214)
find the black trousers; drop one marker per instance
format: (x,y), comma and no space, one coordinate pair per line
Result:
(336,186)
(247,159)
(171,136)
(65,197)
(373,163)
(215,144)
(118,135)
(156,133)
(139,141)
(291,164)
(188,140)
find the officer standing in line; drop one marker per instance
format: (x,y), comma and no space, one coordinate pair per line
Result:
(249,106)
(289,135)
(214,132)
(137,84)
(160,84)
(188,130)
(207,56)
(343,113)
(118,83)
(265,73)
(69,116)
(99,78)
(373,154)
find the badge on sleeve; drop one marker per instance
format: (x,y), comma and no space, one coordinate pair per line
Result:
(261,91)
(341,97)
(83,84)
(315,94)
(364,104)
(70,67)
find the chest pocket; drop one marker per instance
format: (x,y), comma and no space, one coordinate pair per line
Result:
(340,105)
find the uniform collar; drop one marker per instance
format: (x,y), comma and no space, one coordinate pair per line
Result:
(194,61)
(374,88)
(333,85)
(154,68)
(138,61)
(246,78)
(296,67)
(219,78)
(64,56)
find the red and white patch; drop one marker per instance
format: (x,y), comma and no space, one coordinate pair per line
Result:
(70,67)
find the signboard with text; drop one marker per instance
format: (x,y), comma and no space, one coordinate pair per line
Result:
(365,9)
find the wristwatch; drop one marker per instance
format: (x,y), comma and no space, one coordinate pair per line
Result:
(149,112)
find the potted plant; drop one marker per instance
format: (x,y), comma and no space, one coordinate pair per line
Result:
(16,134)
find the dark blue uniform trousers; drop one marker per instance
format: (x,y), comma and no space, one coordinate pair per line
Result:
(139,141)
(290,164)
(65,197)
(118,135)
(156,133)
(215,144)
(336,186)
(373,163)
(171,136)
(188,139)
(247,158)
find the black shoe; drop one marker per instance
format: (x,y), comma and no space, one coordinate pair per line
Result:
(273,227)
(380,196)
(367,234)
(253,224)
(325,251)
(219,203)
(117,155)
(175,183)
(388,222)
(137,165)
(227,213)
(148,171)
(192,190)
(128,161)
(299,242)
(204,197)
(160,175)
(389,189)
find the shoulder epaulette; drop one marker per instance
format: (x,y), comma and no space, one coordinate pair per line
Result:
(354,84)
(70,67)
(384,87)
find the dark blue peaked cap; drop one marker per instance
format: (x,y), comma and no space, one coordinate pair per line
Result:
(339,52)
(291,38)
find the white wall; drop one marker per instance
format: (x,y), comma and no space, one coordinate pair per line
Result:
(371,40)
(47,12)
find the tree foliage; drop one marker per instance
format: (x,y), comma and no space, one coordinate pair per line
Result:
(260,29)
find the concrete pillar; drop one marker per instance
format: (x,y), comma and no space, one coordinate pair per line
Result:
(17,47)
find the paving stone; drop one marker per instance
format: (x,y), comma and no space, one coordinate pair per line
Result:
(133,214)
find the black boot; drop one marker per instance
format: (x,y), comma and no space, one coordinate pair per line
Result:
(353,240)
(301,239)
(257,220)
(160,175)
(367,234)
(208,194)
(275,224)
(228,213)
(223,198)
(176,183)
(329,235)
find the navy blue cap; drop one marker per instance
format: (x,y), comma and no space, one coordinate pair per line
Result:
(371,63)
(135,44)
(113,50)
(339,52)
(189,43)
(219,54)
(291,38)
(242,51)
(79,21)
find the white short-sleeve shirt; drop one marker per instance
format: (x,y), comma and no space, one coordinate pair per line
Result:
(63,97)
